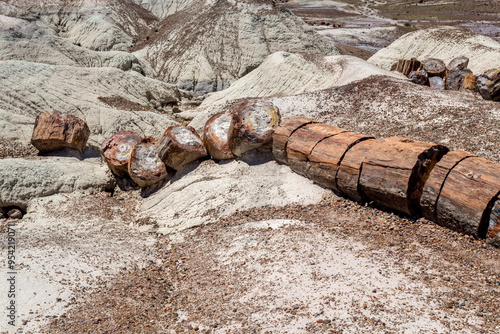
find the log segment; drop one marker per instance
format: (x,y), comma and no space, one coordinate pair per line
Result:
(435,182)
(180,145)
(469,83)
(434,67)
(436,83)
(459,62)
(216,135)
(302,142)
(253,125)
(327,155)
(117,149)
(145,167)
(494,223)
(283,133)
(455,77)
(419,77)
(55,130)
(406,66)
(394,172)
(489,85)
(468,195)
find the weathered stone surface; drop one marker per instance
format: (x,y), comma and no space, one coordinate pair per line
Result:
(465,200)
(489,85)
(394,171)
(252,125)
(55,130)
(434,67)
(145,167)
(117,149)
(419,77)
(469,83)
(283,132)
(216,135)
(455,77)
(22,180)
(436,83)
(435,182)
(459,62)
(180,145)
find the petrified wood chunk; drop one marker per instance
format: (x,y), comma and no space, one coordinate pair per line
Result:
(117,149)
(489,85)
(283,132)
(466,198)
(302,142)
(253,125)
(455,77)
(145,166)
(327,155)
(55,130)
(216,135)
(350,167)
(15,214)
(494,223)
(180,145)
(459,62)
(394,171)
(436,83)
(435,182)
(469,83)
(419,77)
(434,67)
(406,66)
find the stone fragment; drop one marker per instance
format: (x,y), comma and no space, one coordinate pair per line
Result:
(436,83)
(489,84)
(55,130)
(117,149)
(252,125)
(15,214)
(455,77)
(419,77)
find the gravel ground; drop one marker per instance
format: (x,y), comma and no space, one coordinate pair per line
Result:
(336,267)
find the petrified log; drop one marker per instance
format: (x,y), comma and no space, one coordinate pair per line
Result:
(283,132)
(455,77)
(469,83)
(302,142)
(494,223)
(350,167)
(55,130)
(117,149)
(459,62)
(216,135)
(435,182)
(467,196)
(436,83)
(406,66)
(327,155)
(434,67)
(15,214)
(180,145)
(394,171)
(145,166)
(253,125)
(419,77)
(489,85)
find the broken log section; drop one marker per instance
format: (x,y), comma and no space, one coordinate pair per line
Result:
(406,66)
(180,145)
(283,133)
(216,136)
(302,142)
(117,149)
(55,131)
(145,167)
(434,67)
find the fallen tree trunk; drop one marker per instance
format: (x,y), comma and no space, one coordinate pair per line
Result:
(252,126)
(117,149)
(283,133)
(435,182)
(302,142)
(327,155)
(180,145)
(55,130)
(394,171)
(145,167)
(467,196)
(216,136)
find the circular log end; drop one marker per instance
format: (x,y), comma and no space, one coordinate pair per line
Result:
(216,136)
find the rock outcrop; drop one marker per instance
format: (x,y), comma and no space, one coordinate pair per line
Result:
(444,43)
(208,45)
